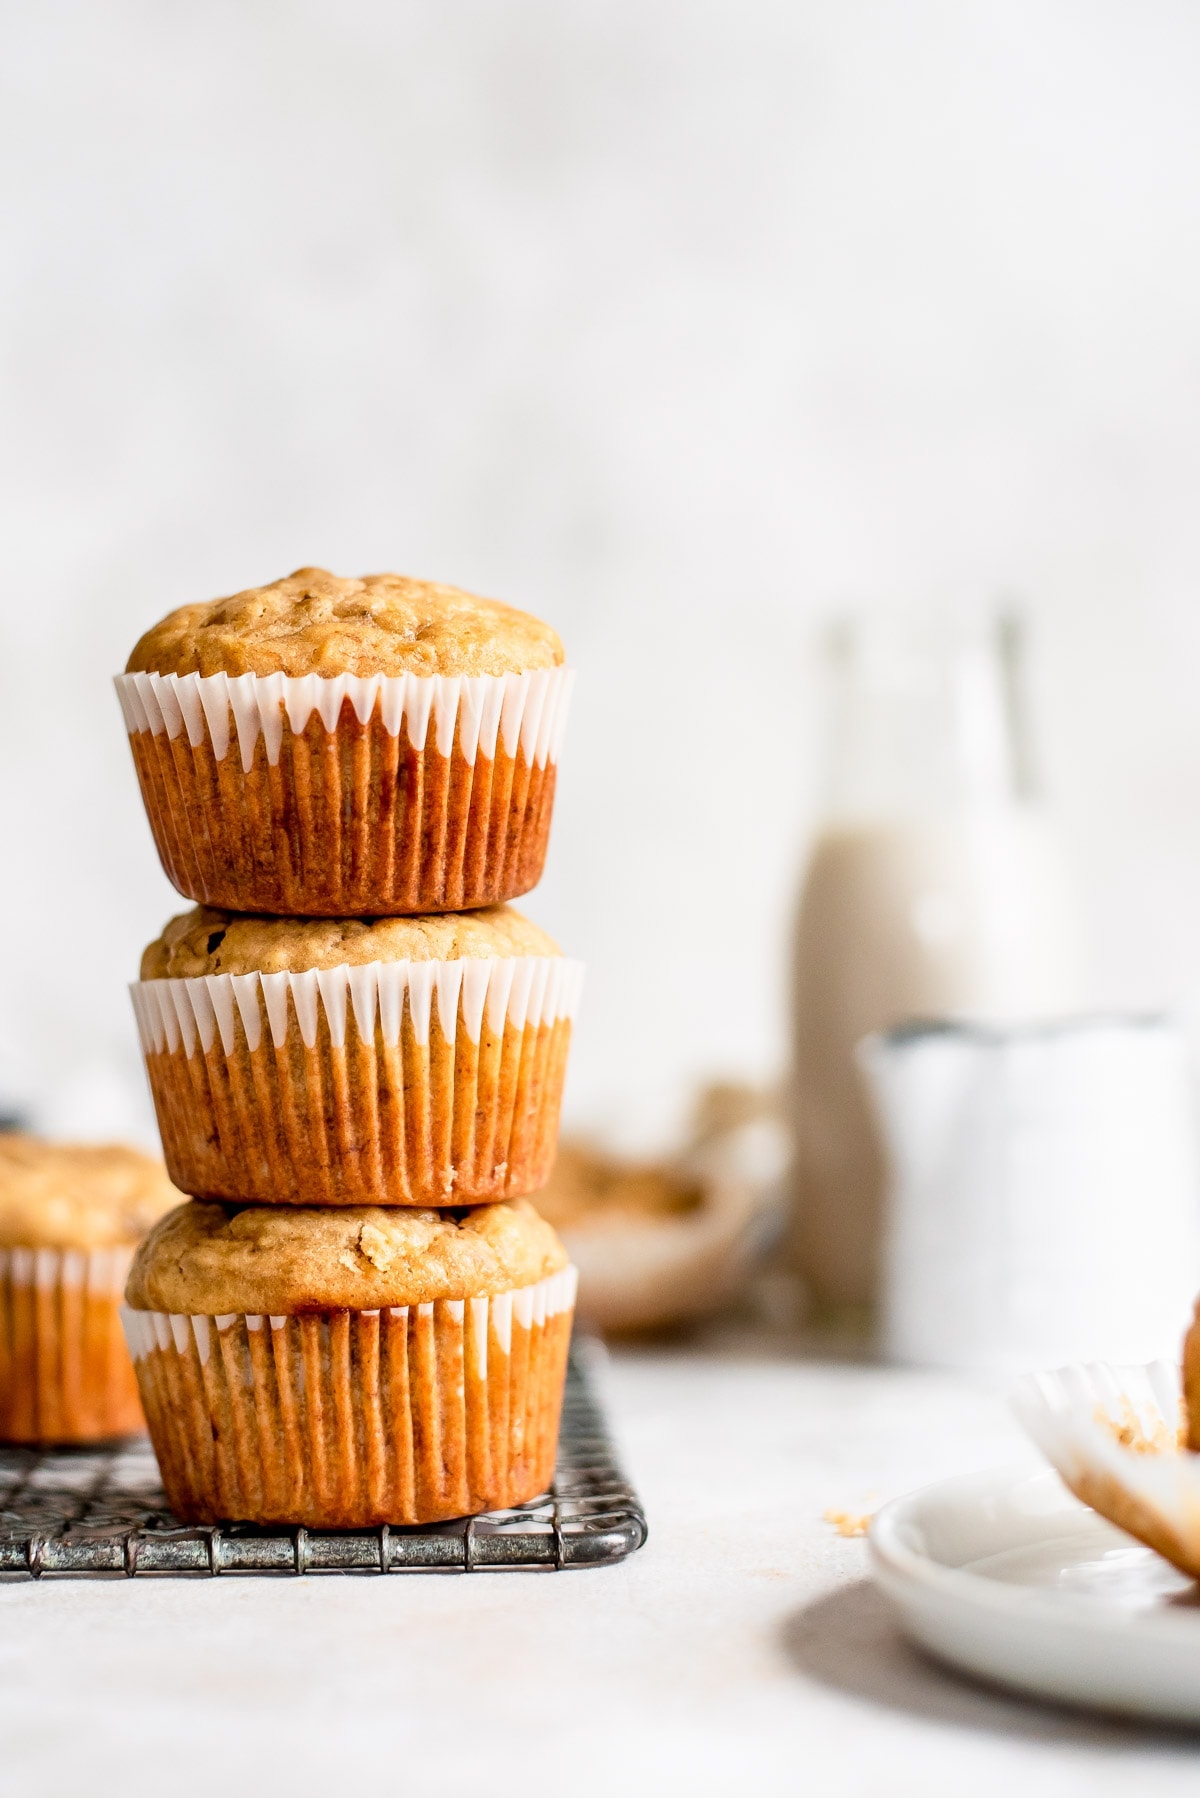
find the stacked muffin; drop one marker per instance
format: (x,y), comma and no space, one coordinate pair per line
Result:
(356,1050)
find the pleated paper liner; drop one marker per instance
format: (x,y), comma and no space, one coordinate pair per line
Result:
(1117,1437)
(65,1374)
(346,1419)
(350,796)
(397,1083)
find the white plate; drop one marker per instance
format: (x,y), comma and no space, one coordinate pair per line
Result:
(1007,1575)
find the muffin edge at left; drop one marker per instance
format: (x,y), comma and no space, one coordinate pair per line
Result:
(71,1216)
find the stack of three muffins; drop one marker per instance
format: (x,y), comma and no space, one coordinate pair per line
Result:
(356,1051)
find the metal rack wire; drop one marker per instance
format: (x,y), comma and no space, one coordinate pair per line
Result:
(101,1511)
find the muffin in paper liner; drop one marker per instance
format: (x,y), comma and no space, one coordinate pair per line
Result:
(65,1374)
(350,1419)
(392,1083)
(322,796)
(1117,1436)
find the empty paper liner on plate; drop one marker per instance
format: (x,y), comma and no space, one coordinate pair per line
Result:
(1117,1437)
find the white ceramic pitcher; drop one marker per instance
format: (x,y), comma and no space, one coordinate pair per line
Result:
(1043,1204)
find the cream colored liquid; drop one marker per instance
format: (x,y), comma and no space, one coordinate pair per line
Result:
(898,919)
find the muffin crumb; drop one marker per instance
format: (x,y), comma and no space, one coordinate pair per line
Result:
(1130,1431)
(848,1523)
(376,1247)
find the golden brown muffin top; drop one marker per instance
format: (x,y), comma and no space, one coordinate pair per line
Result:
(314,622)
(274,1260)
(78,1196)
(207,941)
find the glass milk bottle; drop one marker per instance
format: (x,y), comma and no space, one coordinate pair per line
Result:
(935,888)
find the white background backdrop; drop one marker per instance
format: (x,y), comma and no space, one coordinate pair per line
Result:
(673,323)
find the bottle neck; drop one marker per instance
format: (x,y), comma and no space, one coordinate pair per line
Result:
(925,720)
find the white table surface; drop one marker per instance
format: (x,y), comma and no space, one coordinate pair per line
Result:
(741,1651)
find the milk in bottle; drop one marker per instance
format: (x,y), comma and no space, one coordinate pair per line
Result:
(936,887)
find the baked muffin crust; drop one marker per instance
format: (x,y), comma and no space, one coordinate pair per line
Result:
(314,622)
(272,1260)
(78,1196)
(207,941)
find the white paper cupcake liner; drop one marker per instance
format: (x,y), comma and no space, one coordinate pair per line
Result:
(334,1087)
(348,796)
(102,1271)
(1116,1436)
(338,1419)
(510,991)
(491,1320)
(525,710)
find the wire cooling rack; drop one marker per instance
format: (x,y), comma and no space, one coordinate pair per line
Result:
(94,1511)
